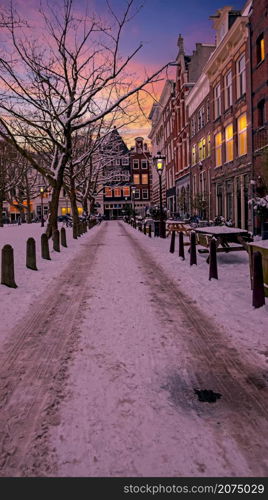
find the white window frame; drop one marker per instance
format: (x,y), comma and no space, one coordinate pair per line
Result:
(241,76)
(145,194)
(217,100)
(228,89)
(136,164)
(146,164)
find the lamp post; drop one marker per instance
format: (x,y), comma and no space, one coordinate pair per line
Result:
(159,165)
(42,208)
(133,189)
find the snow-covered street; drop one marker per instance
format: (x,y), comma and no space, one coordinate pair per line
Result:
(100,368)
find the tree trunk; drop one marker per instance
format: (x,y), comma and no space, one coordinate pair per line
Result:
(1,211)
(74,209)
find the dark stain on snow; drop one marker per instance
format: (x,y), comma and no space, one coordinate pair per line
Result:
(207,396)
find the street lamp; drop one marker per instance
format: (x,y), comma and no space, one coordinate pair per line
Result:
(133,189)
(159,165)
(42,208)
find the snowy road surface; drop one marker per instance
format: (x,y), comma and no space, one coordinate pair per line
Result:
(100,379)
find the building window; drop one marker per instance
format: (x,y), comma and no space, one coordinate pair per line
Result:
(260,49)
(199,120)
(108,192)
(202,149)
(192,127)
(202,116)
(136,178)
(117,161)
(217,100)
(261,113)
(209,145)
(144,164)
(145,194)
(135,163)
(194,155)
(242,134)
(208,111)
(125,161)
(137,194)
(218,146)
(117,192)
(144,178)
(229,141)
(241,76)
(219,200)
(228,90)
(126,191)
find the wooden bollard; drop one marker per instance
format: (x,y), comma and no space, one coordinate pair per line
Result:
(144,229)
(213,270)
(193,249)
(258,297)
(63,237)
(75,231)
(56,240)
(44,247)
(172,242)
(181,245)
(150,231)
(7,271)
(31,254)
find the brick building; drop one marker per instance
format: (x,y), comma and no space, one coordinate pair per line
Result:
(199,112)
(259,79)
(189,68)
(140,171)
(228,71)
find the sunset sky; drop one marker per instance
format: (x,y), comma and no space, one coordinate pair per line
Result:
(157,24)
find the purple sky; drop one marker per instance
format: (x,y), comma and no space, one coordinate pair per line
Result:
(159,23)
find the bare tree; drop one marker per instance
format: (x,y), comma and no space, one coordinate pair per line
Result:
(68,84)
(12,170)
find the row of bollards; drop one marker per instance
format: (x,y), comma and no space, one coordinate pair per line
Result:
(258,293)
(58,238)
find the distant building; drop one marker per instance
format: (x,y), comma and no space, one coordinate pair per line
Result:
(140,169)
(116,175)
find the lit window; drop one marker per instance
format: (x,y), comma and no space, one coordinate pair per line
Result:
(117,192)
(228,90)
(202,149)
(218,146)
(241,76)
(194,155)
(136,178)
(108,192)
(260,49)
(242,134)
(229,141)
(144,179)
(126,191)
(209,145)
(217,100)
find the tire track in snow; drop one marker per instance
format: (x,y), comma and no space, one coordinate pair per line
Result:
(33,367)
(213,365)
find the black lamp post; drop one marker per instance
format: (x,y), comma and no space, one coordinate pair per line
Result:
(42,207)
(133,189)
(159,165)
